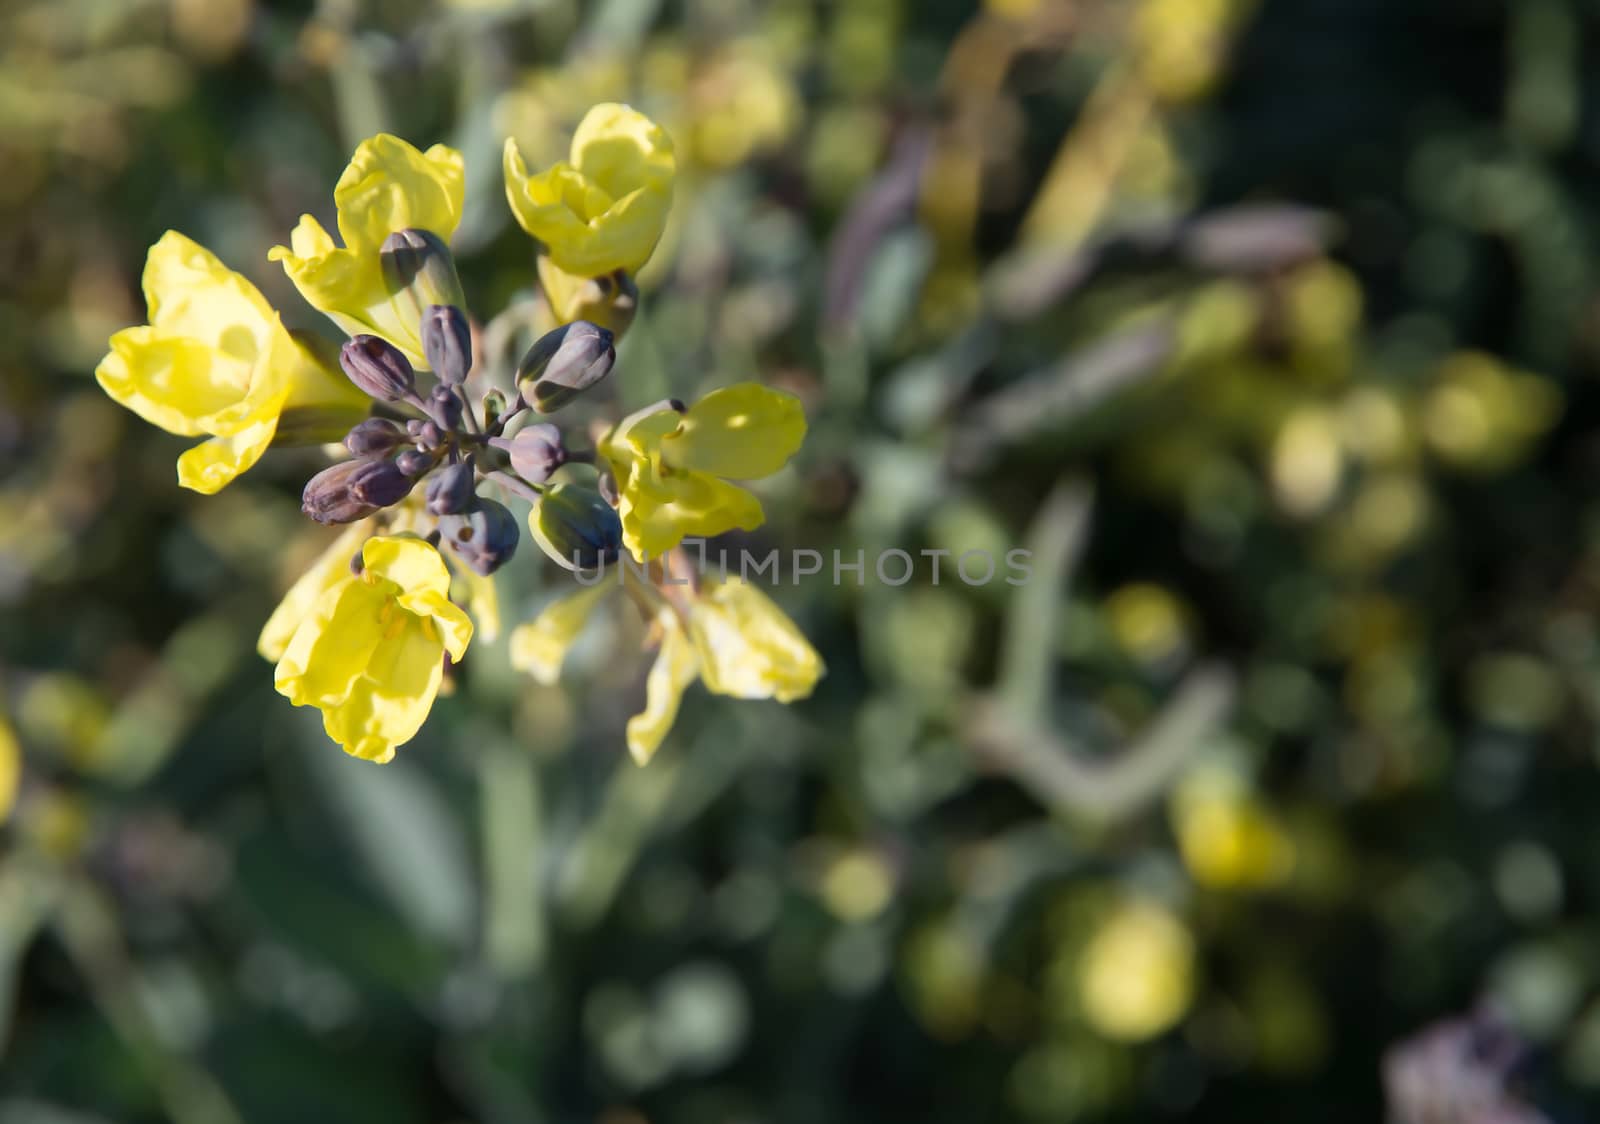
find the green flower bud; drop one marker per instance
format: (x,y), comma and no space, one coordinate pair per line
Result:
(576,527)
(419,272)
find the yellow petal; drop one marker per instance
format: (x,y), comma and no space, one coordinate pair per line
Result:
(388,704)
(670,676)
(607,208)
(190,293)
(748,648)
(170,381)
(742,431)
(660,508)
(424,584)
(390,186)
(212,465)
(211,360)
(622,150)
(347,285)
(331,567)
(332,645)
(539,646)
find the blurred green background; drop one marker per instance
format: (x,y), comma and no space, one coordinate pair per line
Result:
(1269,327)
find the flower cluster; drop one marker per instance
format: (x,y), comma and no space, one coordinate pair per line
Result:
(429,425)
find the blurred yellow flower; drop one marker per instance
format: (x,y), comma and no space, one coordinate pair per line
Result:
(539,646)
(1483,416)
(213,360)
(1148,622)
(369,653)
(10,768)
(605,207)
(727,633)
(672,468)
(1136,975)
(388,187)
(740,104)
(1228,840)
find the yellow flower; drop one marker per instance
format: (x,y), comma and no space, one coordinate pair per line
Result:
(605,207)
(1136,975)
(388,187)
(10,768)
(728,634)
(1228,839)
(214,360)
(369,653)
(670,467)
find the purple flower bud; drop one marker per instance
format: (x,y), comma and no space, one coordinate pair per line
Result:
(377,367)
(485,535)
(564,363)
(430,436)
(375,435)
(447,406)
(576,527)
(450,491)
(447,342)
(354,489)
(536,452)
(413,463)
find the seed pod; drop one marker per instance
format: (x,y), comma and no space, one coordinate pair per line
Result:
(419,272)
(450,491)
(564,363)
(375,435)
(484,535)
(447,342)
(446,405)
(377,367)
(354,489)
(536,452)
(576,527)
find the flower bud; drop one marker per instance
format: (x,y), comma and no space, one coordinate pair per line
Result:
(494,404)
(536,451)
(484,535)
(413,463)
(451,489)
(564,363)
(377,367)
(446,406)
(353,490)
(419,272)
(375,435)
(447,342)
(429,435)
(576,527)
